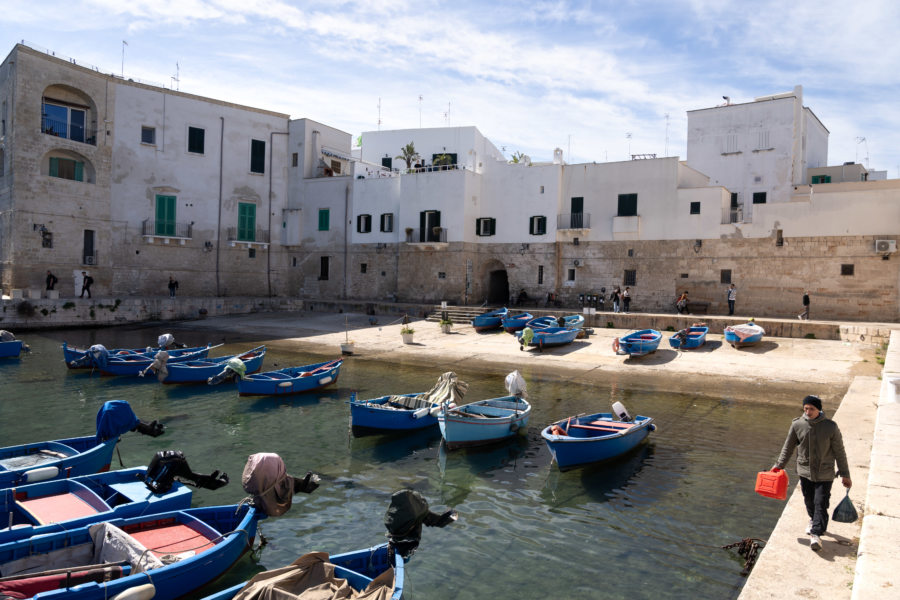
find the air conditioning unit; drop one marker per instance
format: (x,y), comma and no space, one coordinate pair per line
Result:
(577,262)
(88,260)
(885,246)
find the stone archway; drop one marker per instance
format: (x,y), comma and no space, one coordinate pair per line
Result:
(498,287)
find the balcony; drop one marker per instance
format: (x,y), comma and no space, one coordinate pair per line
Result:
(573,221)
(259,237)
(166,231)
(733,214)
(69,131)
(433,235)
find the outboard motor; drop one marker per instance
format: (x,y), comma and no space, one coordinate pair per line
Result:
(515,385)
(116,417)
(165,340)
(169,466)
(158,365)
(97,355)
(266,479)
(234,369)
(621,412)
(404,519)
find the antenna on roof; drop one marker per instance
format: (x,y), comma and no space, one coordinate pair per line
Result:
(727,100)
(176,77)
(667,135)
(862,140)
(379,114)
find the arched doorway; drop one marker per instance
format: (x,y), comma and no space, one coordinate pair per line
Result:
(498,287)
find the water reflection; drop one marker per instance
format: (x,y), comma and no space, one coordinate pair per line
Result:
(597,482)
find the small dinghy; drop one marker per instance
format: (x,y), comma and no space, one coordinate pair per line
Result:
(546,337)
(98,354)
(690,338)
(490,320)
(592,438)
(746,334)
(10,347)
(638,343)
(202,370)
(403,412)
(514,323)
(291,380)
(542,322)
(486,421)
(44,461)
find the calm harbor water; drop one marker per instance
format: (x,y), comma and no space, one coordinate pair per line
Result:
(647,526)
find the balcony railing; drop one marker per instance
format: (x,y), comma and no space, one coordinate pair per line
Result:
(152,227)
(70,131)
(573,221)
(733,214)
(424,236)
(260,236)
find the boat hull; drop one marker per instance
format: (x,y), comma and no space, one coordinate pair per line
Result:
(732,337)
(696,337)
(502,421)
(80,456)
(10,349)
(592,443)
(552,336)
(374,415)
(489,320)
(639,343)
(294,380)
(516,322)
(72,354)
(198,371)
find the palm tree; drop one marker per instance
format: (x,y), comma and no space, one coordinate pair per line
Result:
(409,154)
(443,160)
(517,157)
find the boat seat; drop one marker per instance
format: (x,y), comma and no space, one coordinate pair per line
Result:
(595,428)
(174,538)
(55,508)
(29,586)
(613,424)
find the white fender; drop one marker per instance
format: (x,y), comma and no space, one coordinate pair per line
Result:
(435,411)
(285,384)
(418,414)
(325,380)
(139,592)
(41,474)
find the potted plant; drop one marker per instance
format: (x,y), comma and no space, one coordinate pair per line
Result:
(446,324)
(407,334)
(409,232)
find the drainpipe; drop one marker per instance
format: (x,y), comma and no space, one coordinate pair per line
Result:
(346,235)
(219,219)
(272,134)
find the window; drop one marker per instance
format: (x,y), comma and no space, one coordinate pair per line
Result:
(295,159)
(66,168)
(387,162)
(429,223)
(63,121)
(630,252)
(363,223)
(324,218)
(251,253)
(323,268)
(442,275)
(759,197)
(570,275)
(165,216)
(195,140)
(336,167)
(540,274)
(363,267)
(246,229)
(725,276)
(630,277)
(731,143)
(821,179)
(537,225)
(779,238)
(148,135)
(762,139)
(847,270)
(257,156)
(695,208)
(485,226)
(576,219)
(734,200)
(542,189)
(387,222)
(628,205)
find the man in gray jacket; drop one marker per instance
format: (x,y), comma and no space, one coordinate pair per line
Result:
(819,445)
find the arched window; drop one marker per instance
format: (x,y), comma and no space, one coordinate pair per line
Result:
(67,165)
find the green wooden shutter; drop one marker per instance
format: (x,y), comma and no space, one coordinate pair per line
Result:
(165,215)
(79,171)
(324,215)
(246,222)
(493,225)
(54,167)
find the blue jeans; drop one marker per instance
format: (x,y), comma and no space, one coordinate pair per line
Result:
(816,495)
(731,307)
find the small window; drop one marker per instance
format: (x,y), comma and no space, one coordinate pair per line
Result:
(324,218)
(570,276)
(323,268)
(630,277)
(485,226)
(684,275)
(695,208)
(442,275)
(293,261)
(779,238)
(363,267)
(387,162)
(196,137)
(734,200)
(847,270)
(628,205)
(251,253)
(759,197)
(66,168)
(630,252)
(575,241)
(540,274)
(336,167)
(295,159)
(537,225)
(257,156)
(363,223)
(148,135)
(542,189)
(821,179)
(725,276)
(387,222)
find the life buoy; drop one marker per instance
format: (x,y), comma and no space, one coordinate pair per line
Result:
(616,345)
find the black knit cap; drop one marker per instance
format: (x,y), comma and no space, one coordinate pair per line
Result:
(814,401)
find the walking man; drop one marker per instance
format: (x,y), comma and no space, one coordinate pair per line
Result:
(732,296)
(86,282)
(819,445)
(804,316)
(51,280)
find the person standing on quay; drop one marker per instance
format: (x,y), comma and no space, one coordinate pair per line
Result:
(626,299)
(804,316)
(615,299)
(86,282)
(173,285)
(51,280)
(819,445)
(732,296)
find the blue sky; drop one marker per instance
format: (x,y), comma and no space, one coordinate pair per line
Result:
(531,75)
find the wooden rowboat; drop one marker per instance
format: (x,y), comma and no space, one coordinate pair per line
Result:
(490,320)
(687,339)
(592,438)
(291,380)
(638,343)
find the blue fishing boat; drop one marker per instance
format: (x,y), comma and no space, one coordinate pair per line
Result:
(513,323)
(638,343)
(11,349)
(99,561)
(746,334)
(490,320)
(44,461)
(133,364)
(360,568)
(404,412)
(687,339)
(93,357)
(573,321)
(547,337)
(291,380)
(201,370)
(542,322)
(592,438)
(486,421)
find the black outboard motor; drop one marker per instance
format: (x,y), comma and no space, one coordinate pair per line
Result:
(169,466)
(404,519)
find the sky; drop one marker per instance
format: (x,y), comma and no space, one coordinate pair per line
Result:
(599,79)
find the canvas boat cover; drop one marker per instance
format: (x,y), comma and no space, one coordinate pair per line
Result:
(115,418)
(515,385)
(448,389)
(311,577)
(266,479)
(6,336)
(166,339)
(747,330)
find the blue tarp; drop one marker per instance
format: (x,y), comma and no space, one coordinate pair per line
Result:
(115,418)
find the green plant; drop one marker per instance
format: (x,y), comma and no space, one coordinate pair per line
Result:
(609,325)
(408,154)
(516,158)
(68,305)
(407,329)
(810,336)
(92,313)
(447,321)
(45,312)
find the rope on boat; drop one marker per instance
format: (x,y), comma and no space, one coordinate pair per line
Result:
(748,548)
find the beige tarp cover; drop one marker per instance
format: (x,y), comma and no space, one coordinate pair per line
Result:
(311,577)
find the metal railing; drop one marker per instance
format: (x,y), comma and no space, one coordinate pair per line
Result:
(733,214)
(168,229)
(422,236)
(69,131)
(259,236)
(573,221)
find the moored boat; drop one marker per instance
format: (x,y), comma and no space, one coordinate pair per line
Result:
(201,370)
(10,347)
(88,358)
(542,322)
(637,343)
(403,412)
(513,323)
(745,334)
(490,320)
(291,380)
(486,421)
(573,321)
(592,438)
(547,337)
(690,338)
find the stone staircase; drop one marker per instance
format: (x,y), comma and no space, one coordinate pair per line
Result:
(461,315)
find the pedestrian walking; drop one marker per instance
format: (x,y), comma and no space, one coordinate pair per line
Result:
(804,316)
(682,302)
(615,299)
(86,282)
(51,280)
(819,446)
(173,285)
(626,298)
(732,296)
